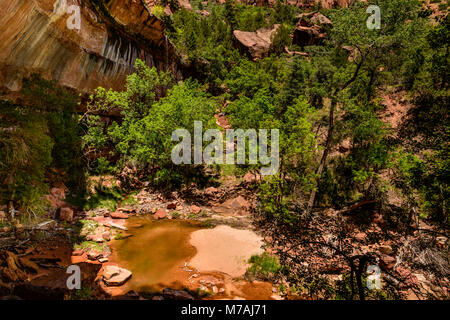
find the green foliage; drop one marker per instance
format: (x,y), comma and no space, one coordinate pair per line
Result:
(273,202)
(246,78)
(281,39)
(88,246)
(25,155)
(283,13)
(230,14)
(84,293)
(250,18)
(429,176)
(57,106)
(427,130)
(208,223)
(207,41)
(158,11)
(144,134)
(104,198)
(264,267)
(370,150)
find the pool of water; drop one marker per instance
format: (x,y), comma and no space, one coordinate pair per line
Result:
(181,254)
(156,253)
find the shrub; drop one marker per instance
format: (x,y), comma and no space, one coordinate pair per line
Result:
(264,266)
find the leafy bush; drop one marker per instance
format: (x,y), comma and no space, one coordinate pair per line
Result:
(144,135)
(264,267)
(25,155)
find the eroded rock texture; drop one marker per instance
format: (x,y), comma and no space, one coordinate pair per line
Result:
(35,37)
(256,44)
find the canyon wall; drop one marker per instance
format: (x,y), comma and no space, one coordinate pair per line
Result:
(305,4)
(36,38)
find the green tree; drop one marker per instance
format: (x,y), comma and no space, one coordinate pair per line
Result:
(25,155)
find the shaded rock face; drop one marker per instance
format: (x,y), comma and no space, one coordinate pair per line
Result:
(254,44)
(310,29)
(35,38)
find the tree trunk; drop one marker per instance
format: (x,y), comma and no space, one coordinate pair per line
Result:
(10,209)
(359,273)
(323,160)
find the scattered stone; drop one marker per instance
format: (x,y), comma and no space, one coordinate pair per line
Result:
(172,205)
(211,190)
(79,259)
(360,236)
(115,276)
(234,206)
(96,237)
(203,13)
(387,262)
(441,242)
(176,294)
(77,253)
(319,18)
(386,250)
(119,215)
(160,214)
(378,219)
(251,178)
(66,214)
(194,209)
(59,192)
(185,4)
(47,225)
(195,275)
(118,226)
(94,255)
(106,235)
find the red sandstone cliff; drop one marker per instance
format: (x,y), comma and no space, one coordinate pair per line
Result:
(34,37)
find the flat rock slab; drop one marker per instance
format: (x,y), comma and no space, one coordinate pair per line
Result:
(115,276)
(110,222)
(118,215)
(225,249)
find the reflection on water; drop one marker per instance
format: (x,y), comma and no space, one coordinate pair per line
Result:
(156,252)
